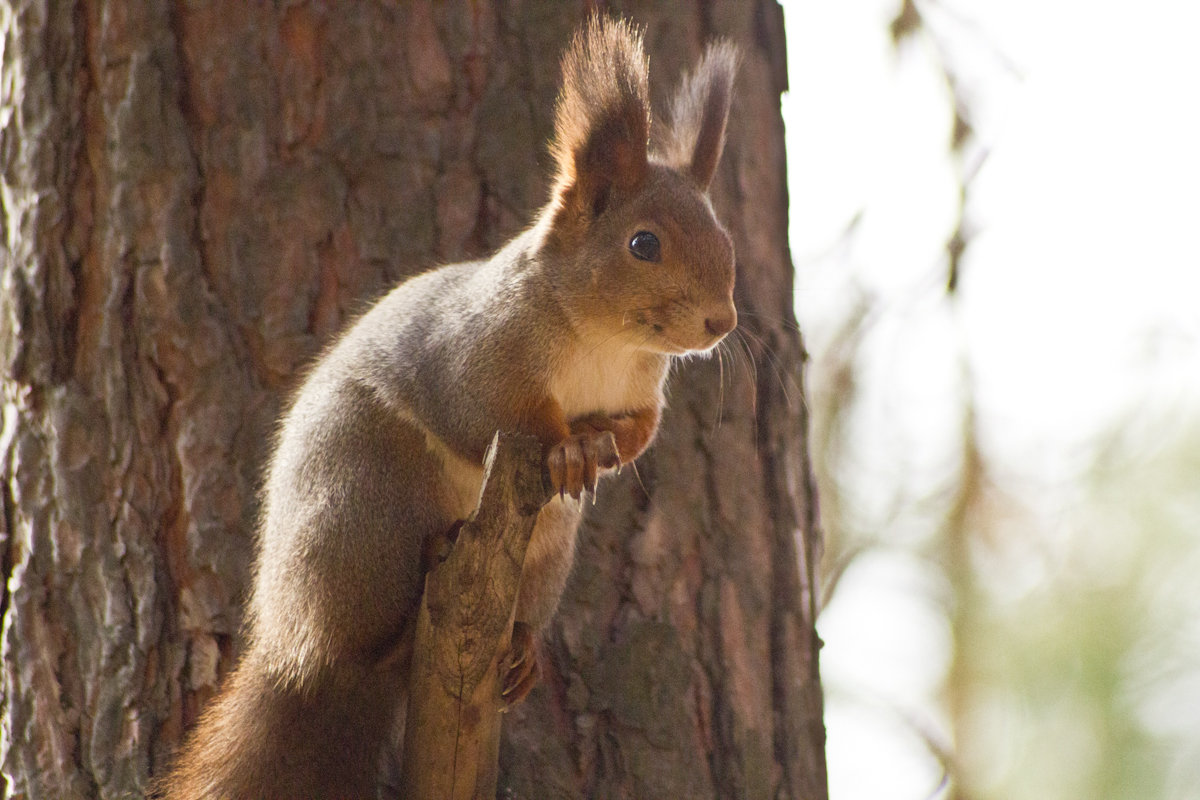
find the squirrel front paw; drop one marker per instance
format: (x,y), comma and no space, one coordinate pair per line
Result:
(523,667)
(575,463)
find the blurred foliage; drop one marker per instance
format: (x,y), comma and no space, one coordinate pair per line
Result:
(1083,670)
(1075,614)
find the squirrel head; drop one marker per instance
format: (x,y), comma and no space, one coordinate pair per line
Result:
(635,249)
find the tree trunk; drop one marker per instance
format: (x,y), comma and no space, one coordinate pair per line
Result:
(196,196)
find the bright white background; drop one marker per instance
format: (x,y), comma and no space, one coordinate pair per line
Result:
(1080,293)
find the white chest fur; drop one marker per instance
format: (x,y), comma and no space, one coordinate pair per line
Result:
(607,377)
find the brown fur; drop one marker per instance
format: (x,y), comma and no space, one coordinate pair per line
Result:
(563,334)
(696,133)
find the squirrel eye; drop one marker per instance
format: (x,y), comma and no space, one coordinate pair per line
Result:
(644,245)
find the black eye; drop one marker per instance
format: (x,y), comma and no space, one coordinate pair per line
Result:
(644,245)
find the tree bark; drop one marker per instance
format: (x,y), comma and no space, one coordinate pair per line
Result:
(196,196)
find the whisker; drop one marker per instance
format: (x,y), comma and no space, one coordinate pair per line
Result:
(634,351)
(772,361)
(720,384)
(753,370)
(748,355)
(638,475)
(603,342)
(771,318)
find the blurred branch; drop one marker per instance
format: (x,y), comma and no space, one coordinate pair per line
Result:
(906,24)
(980,39)
(957,531)
(910,23)
(832,402)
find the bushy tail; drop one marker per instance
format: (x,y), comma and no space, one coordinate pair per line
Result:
(259,740)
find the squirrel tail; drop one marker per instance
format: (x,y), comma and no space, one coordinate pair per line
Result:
(263,740)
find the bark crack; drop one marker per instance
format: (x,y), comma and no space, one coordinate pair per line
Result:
(7,522)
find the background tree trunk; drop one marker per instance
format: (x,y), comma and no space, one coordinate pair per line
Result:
(196,196)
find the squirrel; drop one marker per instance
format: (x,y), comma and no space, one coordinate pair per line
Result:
(566,334)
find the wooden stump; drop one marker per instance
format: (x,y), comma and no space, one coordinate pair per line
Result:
(464,628)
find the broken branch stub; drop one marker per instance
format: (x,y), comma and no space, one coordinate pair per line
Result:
(463,632)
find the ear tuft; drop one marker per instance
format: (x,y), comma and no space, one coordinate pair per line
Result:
(602,118)
(696,132)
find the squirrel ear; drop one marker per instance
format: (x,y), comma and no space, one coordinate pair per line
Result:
(696,133)
(602,119)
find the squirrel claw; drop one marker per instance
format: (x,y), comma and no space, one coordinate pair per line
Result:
(523,667)
(576,462)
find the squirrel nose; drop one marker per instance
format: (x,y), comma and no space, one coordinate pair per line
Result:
(722,323)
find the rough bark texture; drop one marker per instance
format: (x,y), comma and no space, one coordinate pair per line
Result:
(196,196)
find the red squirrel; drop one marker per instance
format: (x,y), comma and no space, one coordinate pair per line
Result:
(566,334)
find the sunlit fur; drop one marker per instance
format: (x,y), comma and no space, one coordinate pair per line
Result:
(563,334)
